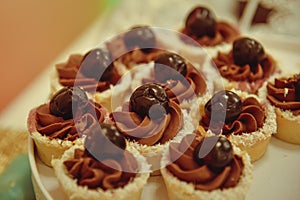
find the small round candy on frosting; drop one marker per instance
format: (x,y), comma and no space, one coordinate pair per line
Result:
(247,51)
(140,36)
(104,142)
(169,66)
(223,105)
(151,100)
(297,89)
(215,151)
(201,22)
(63,102)
(97,64)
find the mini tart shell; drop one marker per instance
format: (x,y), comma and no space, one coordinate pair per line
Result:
(153,154)
(220,82)
(288,125)
(48,149)
(132,190)
(255,143)
(144,70)
(181,190)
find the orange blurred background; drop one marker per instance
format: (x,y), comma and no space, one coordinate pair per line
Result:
(33,33)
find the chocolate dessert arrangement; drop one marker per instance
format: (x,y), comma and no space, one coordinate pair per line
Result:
(206,167)
(150,117)
(283,93)
(241,117)
(137,45)
(130,109)
(93,71)
(202,25)
(246,66)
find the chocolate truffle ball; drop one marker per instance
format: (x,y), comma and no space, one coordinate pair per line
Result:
(297,89)
(169,66)
(224,105)
(247,51)
(97,64)
(216,152)
(201,22)
(104,142)
(67,101)
(141,37)
(149,100)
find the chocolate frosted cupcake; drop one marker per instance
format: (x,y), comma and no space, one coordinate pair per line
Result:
(243,118)
(54,126)
(181,80)
(207,167)
(284,94)
(138,45)
(104,168)
(203,27)
(246,66)
(95,72)
(150,121)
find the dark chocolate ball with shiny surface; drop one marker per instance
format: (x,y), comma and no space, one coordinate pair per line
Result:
(97,64)
(224,105)
(247,51)
(201,22)
(142,37)
(169,66)
(67,101)
(149,100)
(297,89)
(214,151)
(104,142)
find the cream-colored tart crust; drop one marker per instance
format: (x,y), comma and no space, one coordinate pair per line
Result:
(181,190)
(132,191)
(288,125)
(48,149)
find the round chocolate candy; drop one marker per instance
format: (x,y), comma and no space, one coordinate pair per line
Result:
(216,152)
(97,64)
(104,142)
(149,100)
(169,66)
(297,89)
(67,101)
(201,22)
(224,105)
(247,51)
(141,37)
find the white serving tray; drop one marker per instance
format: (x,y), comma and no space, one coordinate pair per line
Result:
(276,175)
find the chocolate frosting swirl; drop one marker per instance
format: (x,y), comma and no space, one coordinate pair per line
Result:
(224,33)
(130,58)
(57,128)
(282,94)
(250,119)
(146,131)
(69,75)
(178,91)
(248,79)
(107,174)
(184,167)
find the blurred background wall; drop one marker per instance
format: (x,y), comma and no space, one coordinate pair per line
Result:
(33,33)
